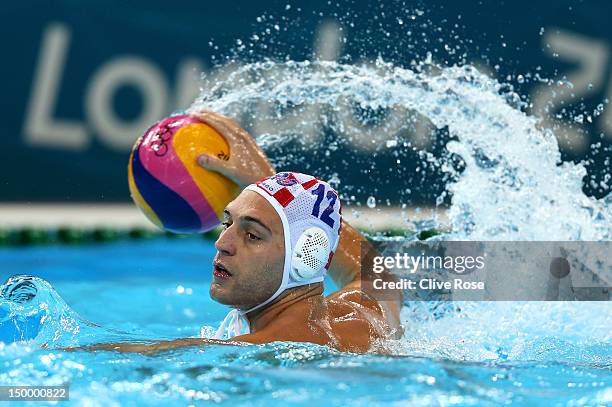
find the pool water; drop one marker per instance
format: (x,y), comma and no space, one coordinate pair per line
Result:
(158,289)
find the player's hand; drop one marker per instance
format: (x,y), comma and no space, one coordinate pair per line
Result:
(247,162)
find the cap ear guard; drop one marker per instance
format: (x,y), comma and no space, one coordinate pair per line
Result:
(310,255)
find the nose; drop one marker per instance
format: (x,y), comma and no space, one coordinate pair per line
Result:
(226,243)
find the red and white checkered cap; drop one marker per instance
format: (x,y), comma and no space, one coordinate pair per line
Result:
(302,201)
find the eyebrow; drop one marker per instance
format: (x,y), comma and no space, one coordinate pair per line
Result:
(250,219)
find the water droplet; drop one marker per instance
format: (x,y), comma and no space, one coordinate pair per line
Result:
(391,143)
(334,181)
(371,202)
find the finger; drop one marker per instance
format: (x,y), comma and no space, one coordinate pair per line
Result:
(198,114)
(240,141)
(241,133)
(230,124)
(228,127)
(213,163)
(221,128)
(218,117)
(236,144)
(205,110)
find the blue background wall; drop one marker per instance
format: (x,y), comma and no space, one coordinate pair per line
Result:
(82,79)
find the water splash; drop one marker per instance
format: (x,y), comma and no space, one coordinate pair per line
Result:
(513,185)
(31,310)
(563,332)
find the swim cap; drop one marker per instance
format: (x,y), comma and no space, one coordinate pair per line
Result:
(311,214)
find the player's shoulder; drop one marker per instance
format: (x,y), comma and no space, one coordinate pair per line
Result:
(351,297)
(291,325)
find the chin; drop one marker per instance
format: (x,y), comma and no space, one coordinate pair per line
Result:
(219,294)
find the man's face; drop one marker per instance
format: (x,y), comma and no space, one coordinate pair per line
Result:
(248,267)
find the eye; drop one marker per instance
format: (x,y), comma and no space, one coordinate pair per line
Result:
(253,237)
(226,224)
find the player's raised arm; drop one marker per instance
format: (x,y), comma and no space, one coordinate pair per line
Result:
(345,271)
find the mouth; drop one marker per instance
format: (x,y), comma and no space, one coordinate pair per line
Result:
(220,271)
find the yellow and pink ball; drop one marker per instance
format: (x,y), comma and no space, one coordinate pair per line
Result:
(168,184)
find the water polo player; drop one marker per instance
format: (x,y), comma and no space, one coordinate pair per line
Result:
(281,235)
